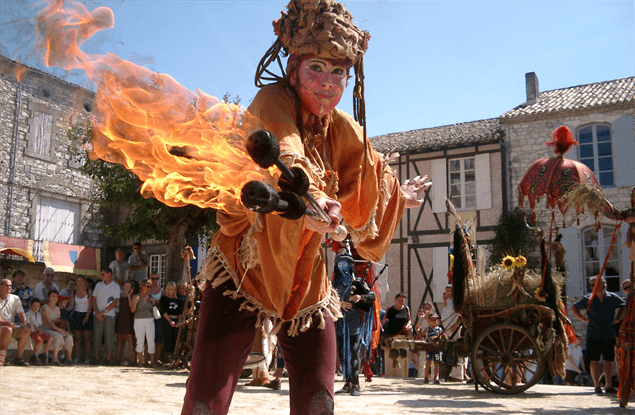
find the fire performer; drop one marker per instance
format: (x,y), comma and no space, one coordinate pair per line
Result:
(266,267)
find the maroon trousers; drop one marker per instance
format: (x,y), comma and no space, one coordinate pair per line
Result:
(223,343)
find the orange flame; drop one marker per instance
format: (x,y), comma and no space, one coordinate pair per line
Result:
(187,148)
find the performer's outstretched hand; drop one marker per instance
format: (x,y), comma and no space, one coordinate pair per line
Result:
(414,190)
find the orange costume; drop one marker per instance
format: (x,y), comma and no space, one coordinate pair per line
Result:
(262,266)
(276,264)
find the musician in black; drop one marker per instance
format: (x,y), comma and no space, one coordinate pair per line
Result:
(355,297)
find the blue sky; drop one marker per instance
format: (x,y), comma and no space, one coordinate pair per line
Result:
(430,63)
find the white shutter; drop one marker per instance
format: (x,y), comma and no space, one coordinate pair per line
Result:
(57,221)
(439,185)
(483,182)
(573,258)
(624,151)
(440,279)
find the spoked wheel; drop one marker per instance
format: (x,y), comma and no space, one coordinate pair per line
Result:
(506,359)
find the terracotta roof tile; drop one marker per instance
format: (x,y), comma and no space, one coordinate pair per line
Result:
(473,132)
(581,97)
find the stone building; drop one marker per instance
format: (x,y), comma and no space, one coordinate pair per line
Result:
(601,117)
(44,198)
(467,163)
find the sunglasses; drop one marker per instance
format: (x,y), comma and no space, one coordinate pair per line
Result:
(50,275)
(628,287)
(154,278)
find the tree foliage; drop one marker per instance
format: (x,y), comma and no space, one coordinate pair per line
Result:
(118,191)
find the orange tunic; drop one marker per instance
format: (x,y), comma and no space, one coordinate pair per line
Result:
(277,265)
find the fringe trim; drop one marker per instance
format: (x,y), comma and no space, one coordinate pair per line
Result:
(368,231)
(316,170)
(218,271)
(248,249)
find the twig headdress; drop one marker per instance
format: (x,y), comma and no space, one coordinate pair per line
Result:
(322,28)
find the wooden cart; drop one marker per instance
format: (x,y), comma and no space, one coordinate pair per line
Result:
(508,348)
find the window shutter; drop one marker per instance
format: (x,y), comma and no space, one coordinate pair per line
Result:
(573,258)
(483,182)
(440,280)
(439,185)
(624,147)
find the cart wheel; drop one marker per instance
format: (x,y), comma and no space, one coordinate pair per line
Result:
(506,359)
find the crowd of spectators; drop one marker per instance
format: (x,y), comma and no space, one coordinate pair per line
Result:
(121,318)
(126,318)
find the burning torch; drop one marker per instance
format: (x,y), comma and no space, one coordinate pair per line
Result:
(264,149)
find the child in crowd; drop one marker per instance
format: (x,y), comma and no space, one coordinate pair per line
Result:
(34,320)
(419,331)
(575,362)
(432,333)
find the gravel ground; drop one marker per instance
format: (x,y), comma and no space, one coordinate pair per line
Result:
(108,390)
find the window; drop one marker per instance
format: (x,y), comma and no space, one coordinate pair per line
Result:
(596,151)
(159,264)
(42,125)
(462,182)
(595,246)
(56,221)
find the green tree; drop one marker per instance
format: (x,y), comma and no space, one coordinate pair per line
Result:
(128,215)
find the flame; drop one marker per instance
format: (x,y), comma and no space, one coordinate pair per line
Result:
(187,148)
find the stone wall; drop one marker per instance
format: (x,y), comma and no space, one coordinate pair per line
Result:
(31,176)
(527,141)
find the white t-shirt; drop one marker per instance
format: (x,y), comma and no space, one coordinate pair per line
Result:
(34,319)
(10,307)
(575,352)
(105,294)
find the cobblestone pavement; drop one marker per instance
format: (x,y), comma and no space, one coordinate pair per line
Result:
(119,390)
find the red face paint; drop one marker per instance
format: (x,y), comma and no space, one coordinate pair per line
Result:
(320,84)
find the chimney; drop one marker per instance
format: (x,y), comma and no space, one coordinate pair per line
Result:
(531,83)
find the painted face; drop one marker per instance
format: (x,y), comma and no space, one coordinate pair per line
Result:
(320,84)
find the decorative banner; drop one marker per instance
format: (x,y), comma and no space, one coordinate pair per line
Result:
(75,259)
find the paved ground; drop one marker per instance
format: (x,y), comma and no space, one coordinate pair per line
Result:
(128,391)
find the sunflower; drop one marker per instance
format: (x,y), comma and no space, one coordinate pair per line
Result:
(521,261)
(540,294)
(508,262)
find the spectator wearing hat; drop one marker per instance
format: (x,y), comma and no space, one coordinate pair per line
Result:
(600,336)
(46,285)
